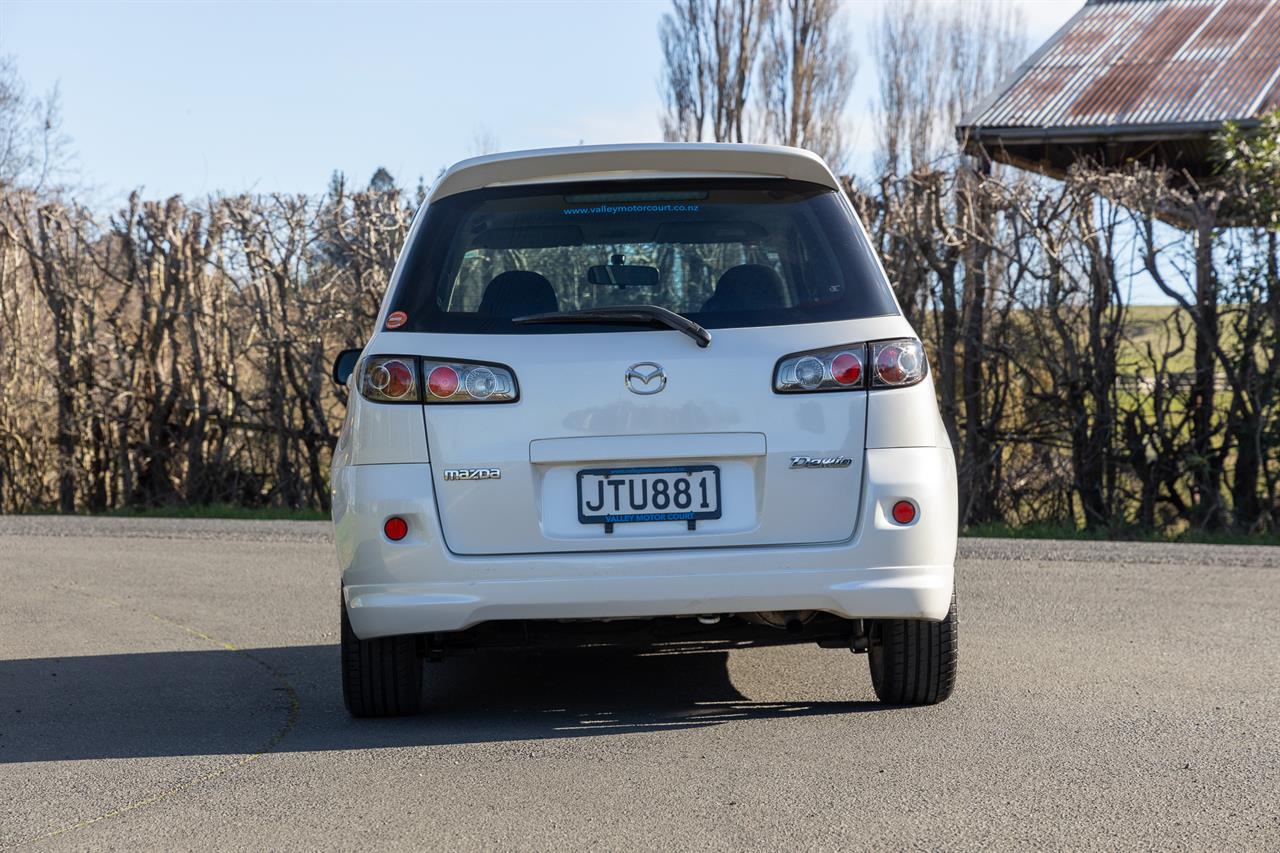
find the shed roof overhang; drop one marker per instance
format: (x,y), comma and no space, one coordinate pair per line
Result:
(1183,148)
(1134,82)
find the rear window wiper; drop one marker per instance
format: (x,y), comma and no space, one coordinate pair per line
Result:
(639,315)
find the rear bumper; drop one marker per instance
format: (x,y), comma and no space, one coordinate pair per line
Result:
(910,592)
(417,586)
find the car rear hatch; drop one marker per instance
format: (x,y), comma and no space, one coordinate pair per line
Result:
(623,433)
(577,414)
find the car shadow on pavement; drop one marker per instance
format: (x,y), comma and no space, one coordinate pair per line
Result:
(288,699)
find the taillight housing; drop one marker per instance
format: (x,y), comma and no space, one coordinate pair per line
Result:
(895,364)
(467,382)
(834,369)
(853,367)
(412,379)
(390,379)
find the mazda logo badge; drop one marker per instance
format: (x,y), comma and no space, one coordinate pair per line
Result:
(646,378)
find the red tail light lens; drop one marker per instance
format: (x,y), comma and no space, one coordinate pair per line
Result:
(442,382)
(893,364)
(846,369)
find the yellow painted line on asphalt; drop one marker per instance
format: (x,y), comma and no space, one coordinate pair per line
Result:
(268,747)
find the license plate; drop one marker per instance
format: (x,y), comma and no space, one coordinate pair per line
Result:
(612,496)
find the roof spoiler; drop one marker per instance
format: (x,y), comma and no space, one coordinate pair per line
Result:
(619,162)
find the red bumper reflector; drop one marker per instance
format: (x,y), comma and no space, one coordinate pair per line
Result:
(904,512)
(396,528)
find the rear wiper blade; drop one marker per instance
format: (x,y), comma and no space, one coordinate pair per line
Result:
(640,315)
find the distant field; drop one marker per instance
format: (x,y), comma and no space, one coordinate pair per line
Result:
(1154,326)
(225,511)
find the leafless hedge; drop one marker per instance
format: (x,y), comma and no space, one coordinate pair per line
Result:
(174,353)
(1066,404)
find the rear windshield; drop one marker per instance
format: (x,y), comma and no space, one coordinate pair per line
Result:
(724,253)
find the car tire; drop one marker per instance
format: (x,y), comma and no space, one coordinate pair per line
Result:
(381,677)
(913,661)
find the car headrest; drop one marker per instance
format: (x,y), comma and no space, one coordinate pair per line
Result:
(516,293)
(747,287)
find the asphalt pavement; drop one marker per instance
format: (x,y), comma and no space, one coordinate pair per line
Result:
(173,684)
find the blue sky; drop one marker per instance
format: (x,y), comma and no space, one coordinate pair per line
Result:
(196,97)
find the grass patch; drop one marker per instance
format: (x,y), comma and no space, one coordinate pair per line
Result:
(1045,530)
(1036,530)
(222,511)
(1153,325)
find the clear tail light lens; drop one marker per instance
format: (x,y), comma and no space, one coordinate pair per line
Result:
(853,367)
(399,379)
(897,363)
(390,379)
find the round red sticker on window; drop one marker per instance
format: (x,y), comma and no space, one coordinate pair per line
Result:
(396,319)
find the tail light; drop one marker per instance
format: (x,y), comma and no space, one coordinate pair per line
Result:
(880,364)
(468,382)
(390,379)
(897,363)
(410,379)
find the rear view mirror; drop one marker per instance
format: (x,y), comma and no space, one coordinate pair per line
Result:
(623,275)
(344,364)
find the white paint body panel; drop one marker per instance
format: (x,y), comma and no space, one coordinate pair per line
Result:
(643,448)
(571,389)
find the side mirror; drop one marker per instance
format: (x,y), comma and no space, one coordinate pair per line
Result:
(344,364)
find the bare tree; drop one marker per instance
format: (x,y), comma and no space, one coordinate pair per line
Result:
(708,50)
(799,52)
(34,151)
(483,141)
(806,75)
(13,124)
(905,45)
(934,64)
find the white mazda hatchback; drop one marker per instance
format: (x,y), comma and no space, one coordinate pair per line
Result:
(641,395)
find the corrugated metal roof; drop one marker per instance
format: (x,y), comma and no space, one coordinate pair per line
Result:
(1129,64)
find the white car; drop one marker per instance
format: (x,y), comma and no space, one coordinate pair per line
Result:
(641,394)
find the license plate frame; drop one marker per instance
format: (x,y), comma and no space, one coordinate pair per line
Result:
(691,516)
